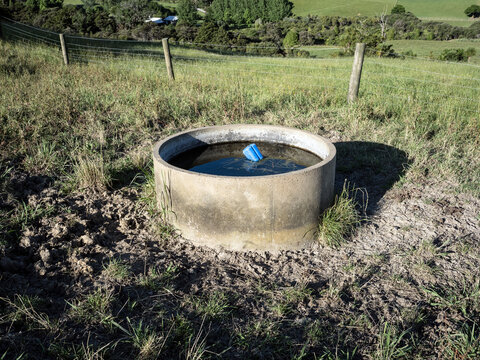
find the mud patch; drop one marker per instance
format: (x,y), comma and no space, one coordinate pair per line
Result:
(420,239)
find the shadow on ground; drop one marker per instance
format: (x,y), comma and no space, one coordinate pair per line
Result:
(371,166)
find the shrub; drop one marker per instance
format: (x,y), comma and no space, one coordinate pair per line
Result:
(57,19)
(470,52)
(384,50)
(391,34)
(150,31)
(291,39)
(473,11)
(185,32)
(306,38)
(454,55)
(300,53)
(398,9)
(409,53)
(248,11)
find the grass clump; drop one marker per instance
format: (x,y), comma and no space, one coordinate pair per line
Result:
(338,221)
(83,351)
(464,299)
(156,280)
(44,159)
(94,307)
(116,269)
(392,344)
(215,305)
(146,340)
(465,344)
(25,309)
(91,173)
(285,301)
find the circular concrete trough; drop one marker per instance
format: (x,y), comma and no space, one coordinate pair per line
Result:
(271,212)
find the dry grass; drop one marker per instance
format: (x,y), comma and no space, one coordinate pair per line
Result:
(339,220)
(91,126)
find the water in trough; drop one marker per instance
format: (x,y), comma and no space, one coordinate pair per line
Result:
(227,159)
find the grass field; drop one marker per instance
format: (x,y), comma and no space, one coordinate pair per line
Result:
(88,271)
(450,11)
(424,48)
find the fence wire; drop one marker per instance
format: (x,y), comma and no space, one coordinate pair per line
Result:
(331,76)
(438,61)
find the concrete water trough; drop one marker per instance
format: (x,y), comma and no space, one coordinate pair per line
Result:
(246,212)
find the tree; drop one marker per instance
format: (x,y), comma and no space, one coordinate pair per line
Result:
(233,12)
(44,4)
(132,13)
(291,39)
(89,4)
(473,11)
(383,22)
(187,12)
(398,9)
(206,33)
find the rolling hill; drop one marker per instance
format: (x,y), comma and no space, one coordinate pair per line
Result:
(450,11)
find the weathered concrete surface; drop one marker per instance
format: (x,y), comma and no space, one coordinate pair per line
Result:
(271,212)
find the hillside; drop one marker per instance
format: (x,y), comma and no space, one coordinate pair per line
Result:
(90,271)
(450,11)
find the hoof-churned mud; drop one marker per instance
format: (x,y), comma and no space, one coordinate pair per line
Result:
(92,274)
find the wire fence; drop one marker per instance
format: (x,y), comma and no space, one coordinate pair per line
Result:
(398,79)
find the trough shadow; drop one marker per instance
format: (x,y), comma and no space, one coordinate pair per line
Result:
(371,166)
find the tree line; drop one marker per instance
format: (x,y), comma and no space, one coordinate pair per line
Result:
(263,27)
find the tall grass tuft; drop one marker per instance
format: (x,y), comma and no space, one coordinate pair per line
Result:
(91,173)
(338,221)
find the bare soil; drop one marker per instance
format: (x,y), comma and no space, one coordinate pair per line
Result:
(418,238)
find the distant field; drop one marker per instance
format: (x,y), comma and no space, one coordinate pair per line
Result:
(450,11)
(423,48)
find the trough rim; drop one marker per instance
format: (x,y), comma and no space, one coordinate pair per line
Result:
(331,152)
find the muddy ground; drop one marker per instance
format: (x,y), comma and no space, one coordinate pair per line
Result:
(409,271)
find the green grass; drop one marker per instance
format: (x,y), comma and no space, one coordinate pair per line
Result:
(426,48)
(392,344)
(338,221)
(98,118)
(156,279)
(450,11)
(214,305)
(93,308)
(116,269)
(115,108)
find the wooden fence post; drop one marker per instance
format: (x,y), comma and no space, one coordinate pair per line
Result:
(168,58)
(64,49)
(356,73)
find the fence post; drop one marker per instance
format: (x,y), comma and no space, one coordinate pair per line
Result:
(356,72)
(168,59)
(64,49)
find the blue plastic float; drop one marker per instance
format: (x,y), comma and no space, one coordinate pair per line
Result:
(252,153)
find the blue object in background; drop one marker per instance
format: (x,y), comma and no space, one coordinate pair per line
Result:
(252,153)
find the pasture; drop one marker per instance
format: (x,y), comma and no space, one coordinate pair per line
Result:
(424,48)
(88,271)
(449,11)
